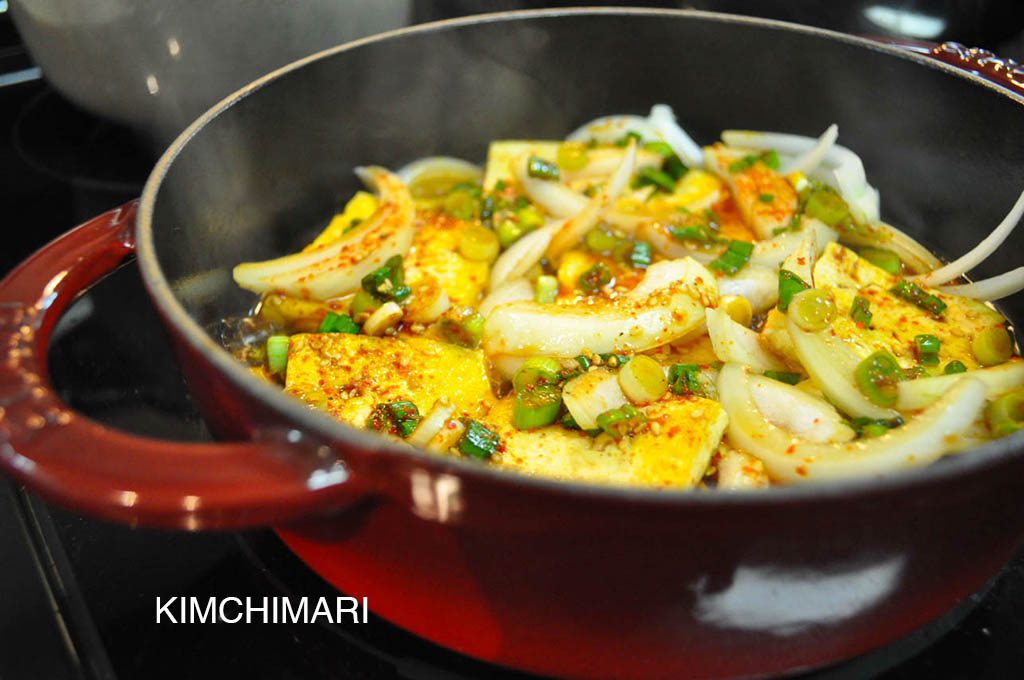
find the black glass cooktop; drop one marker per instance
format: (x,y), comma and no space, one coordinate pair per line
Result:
(77,596)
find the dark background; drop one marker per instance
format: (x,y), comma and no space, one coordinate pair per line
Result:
(77,595)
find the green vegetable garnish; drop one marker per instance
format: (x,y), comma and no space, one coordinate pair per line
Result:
(684,379)
(463,202)
(883,259)
(477,441)
(618,422)
(913,293)
(954,366)
(614,360)
(1005,414)
(601,240)
(769,158)
(878,377)
(812,309)
(388,282)
(992,346)
(277,353)
(399,418)
(363,305)
(784,376)
(546,289)
(860,311)
(735,257)
(624,139)
(789,285)
(827,206)
(701,233)
(766,198)
(927,348)
(871,427)
(659,179)
(338,323)
(640,255)
(536,408)
(594,279)
(541,169)
(537,372)
(462,326)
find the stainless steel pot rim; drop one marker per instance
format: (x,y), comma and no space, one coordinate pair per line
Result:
(322,426)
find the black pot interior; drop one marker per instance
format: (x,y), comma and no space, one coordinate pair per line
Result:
(265,174)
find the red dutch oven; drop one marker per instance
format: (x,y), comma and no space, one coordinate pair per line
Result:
(557,578)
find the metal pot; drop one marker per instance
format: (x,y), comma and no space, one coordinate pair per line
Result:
(557,578)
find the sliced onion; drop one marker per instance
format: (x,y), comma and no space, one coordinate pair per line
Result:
(772,252)
(809,161)
(432,423)
(663,120)
(430,301)
(995,288)
(336,268)
(522,255)
(591,394)
(425,169)
(831,365)
(759,285)
(915,394)
(798,412)
(662,241)
(875,233)
(738,344)
(980,252)
(604,162)
(557,199)
(573,229)
(510,291)
(801,260)
(738,470)
(921,441)
(507,365)
(666,305)
(610,129)
(386,316)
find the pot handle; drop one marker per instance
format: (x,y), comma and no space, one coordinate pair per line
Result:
(1006,73)
(66,457)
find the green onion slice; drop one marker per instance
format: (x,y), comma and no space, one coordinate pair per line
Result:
(477,441)
(735,257)
(878,377)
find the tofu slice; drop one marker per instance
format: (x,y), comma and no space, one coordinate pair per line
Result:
(673,452)
(765,198)
(895,321)
(347,375)
(435,253)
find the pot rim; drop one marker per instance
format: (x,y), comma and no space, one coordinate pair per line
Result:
(340,435)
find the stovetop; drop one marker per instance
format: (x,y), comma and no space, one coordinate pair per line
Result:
(77,595)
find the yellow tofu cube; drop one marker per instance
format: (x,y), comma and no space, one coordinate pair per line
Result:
(347,375)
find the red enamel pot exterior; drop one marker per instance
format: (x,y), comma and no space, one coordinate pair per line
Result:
(561,579)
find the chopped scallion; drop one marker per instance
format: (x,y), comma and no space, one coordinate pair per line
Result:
(541,169)
(789,285)
(477,441)
(927,348)
(913,293)
(277,353)
(735,257)
(338,323)
(860,311)
(545,290)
